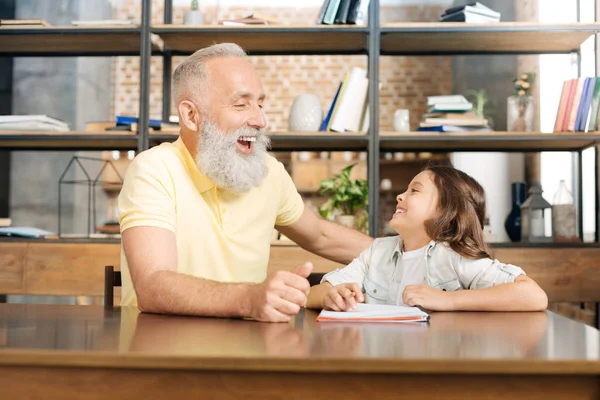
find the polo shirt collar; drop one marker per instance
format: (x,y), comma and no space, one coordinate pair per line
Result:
(202,182)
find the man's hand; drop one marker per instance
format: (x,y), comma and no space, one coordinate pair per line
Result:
(281,295)
(343,297)
(427,297)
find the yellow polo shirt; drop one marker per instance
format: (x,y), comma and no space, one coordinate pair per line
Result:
(220,236)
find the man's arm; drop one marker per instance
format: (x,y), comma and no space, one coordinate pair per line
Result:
(327,239)
(152,258)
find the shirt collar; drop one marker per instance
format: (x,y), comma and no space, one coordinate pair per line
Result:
(202,182)
(397,252)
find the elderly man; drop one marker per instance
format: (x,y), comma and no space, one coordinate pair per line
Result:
(197,215)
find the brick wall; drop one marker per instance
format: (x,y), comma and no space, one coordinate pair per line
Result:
(406,81)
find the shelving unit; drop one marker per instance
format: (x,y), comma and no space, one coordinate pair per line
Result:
(72,140)
(267,40)
(373,41)
(491,38)
(71,41)
(487,141)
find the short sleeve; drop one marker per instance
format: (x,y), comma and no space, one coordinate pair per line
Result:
(146,198)
(485,272)
(291,205)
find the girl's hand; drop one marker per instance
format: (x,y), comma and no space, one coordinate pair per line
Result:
(427,297)
(343,297)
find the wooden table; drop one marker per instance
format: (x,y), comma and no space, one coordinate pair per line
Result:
(78,352)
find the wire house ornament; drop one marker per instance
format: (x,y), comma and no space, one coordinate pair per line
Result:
(90,183)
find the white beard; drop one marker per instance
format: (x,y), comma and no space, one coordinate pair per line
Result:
(218,158)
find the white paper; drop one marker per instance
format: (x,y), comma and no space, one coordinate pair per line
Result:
(376,313)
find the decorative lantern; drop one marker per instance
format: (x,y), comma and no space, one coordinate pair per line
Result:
(535,211)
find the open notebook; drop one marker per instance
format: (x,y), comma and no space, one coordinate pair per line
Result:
(375,313)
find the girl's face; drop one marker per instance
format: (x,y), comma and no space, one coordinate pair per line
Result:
(415,206)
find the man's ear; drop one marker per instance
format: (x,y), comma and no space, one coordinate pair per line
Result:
(190,115)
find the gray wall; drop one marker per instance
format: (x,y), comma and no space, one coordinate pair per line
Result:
(72,89)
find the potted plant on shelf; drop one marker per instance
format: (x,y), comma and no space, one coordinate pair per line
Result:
(194,16)
(348,200)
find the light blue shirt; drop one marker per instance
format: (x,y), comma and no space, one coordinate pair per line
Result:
(377,270)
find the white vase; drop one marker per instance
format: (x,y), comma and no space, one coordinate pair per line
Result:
(401,120)
(193,18)
(306,114)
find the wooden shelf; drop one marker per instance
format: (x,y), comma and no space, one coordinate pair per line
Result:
(267,39)
(74,140)
(316,141)
(70,41)
(486,141)
(447,38)
(298,141)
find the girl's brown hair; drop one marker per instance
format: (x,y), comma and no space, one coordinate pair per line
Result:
(461,207)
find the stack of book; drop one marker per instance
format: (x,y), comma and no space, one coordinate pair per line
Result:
(32,123)
(252,19)
(349,110)
(19,23)
(352,12)
(578,106)
(452,113)
(471,12)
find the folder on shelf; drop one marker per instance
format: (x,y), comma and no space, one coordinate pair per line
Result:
(376,313)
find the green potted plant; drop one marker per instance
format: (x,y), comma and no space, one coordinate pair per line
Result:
(348,199)
(194,16)
(482,105)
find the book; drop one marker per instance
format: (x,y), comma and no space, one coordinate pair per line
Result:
(5,222)
(24,231)
(472,8)
(354,89)
(464,16)
(331,12)
(342,12)
(586,104)
(593,118)
(375,313)
(31,123)
(23,22)
(324,6)
(446,99)
(103,22)
(252,19)
(453,128)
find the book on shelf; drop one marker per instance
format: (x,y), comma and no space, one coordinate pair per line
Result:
(103,22)
(471,12)
(23,22)
(347,112)
(375,313)
(32,123)
(24,231)
(343,12)
(578,106)
(453,128)
(252,19)
(451,113)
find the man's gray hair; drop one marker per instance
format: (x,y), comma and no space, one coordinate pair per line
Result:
(190,76)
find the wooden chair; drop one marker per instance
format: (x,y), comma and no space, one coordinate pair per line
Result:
(112,279)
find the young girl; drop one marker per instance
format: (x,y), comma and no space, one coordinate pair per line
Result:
(440,252)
